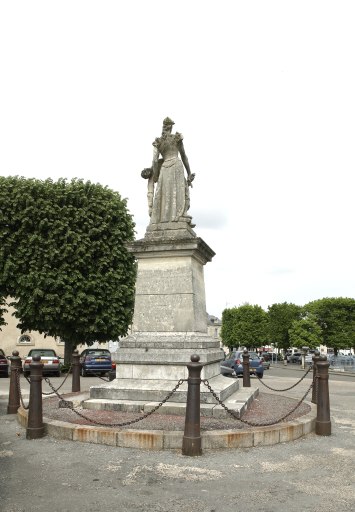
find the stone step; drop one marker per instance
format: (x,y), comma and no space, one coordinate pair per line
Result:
(238,402)
(156,390)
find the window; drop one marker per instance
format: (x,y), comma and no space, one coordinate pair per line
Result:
(25,339)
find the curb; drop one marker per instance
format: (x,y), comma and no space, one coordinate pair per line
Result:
(172,440)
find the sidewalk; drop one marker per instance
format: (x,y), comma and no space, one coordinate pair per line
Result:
(298,367)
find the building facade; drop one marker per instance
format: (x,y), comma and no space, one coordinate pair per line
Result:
(12,339)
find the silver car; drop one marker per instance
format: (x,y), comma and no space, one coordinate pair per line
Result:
(49,359)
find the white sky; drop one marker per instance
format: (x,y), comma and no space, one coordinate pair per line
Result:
(263,92)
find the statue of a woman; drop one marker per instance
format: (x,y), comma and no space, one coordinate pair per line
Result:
(170,200)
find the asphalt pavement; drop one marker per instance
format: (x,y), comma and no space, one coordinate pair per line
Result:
(312,474)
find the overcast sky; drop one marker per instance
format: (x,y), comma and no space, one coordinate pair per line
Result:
(263,92)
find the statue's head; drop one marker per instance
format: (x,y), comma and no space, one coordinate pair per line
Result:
(168,122)
(167,125)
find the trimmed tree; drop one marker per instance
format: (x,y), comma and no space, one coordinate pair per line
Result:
(305,333)
(243,326)
(336,317)
(281,316)
(63,259)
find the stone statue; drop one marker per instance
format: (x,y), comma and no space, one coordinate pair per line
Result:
(168,189)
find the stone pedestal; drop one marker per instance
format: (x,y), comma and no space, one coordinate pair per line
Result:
(169,324)
(170,288)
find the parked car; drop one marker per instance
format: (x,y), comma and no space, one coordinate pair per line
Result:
(308,359)
(340,360)
(296,357)
(4,364)
(49,359)
(265,362)
(96,361)
(266,356)
(233,365)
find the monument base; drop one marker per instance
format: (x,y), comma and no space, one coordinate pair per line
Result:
(235,398)
(164,355)
(149,365)
(169,324)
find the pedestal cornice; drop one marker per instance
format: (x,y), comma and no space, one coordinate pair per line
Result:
(194,247)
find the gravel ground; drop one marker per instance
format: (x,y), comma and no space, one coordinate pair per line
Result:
(265,409)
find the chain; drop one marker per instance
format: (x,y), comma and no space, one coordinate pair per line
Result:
(17,370)
(47,380)
(65,378)
(250,423)
(67,404)
(286,389)
(271,422)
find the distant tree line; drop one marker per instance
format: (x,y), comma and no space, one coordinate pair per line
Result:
(327,321)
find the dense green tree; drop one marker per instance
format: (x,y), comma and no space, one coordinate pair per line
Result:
(63,259)
(305,333)
(336,317)
(243,326)
(280,318)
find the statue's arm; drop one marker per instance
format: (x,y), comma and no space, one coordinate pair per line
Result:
(155,164)
(190,176)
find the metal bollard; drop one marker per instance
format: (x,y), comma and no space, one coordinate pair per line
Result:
(315,360)
(246,369)
(14,390)
(323,424)
(75,383)
(35,427)
(191,442)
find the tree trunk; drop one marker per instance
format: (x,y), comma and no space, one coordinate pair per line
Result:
(68,351)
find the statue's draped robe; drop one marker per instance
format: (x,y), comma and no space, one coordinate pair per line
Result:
(171,198)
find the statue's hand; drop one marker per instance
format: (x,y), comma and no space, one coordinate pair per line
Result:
(147,173)
(190,179)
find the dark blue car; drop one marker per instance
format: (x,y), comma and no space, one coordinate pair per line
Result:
(233,365)
(95,361)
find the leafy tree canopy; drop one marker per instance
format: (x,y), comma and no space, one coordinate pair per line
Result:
(336,317)
(63,258)
(305,333)
(243,326)
(281,316)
